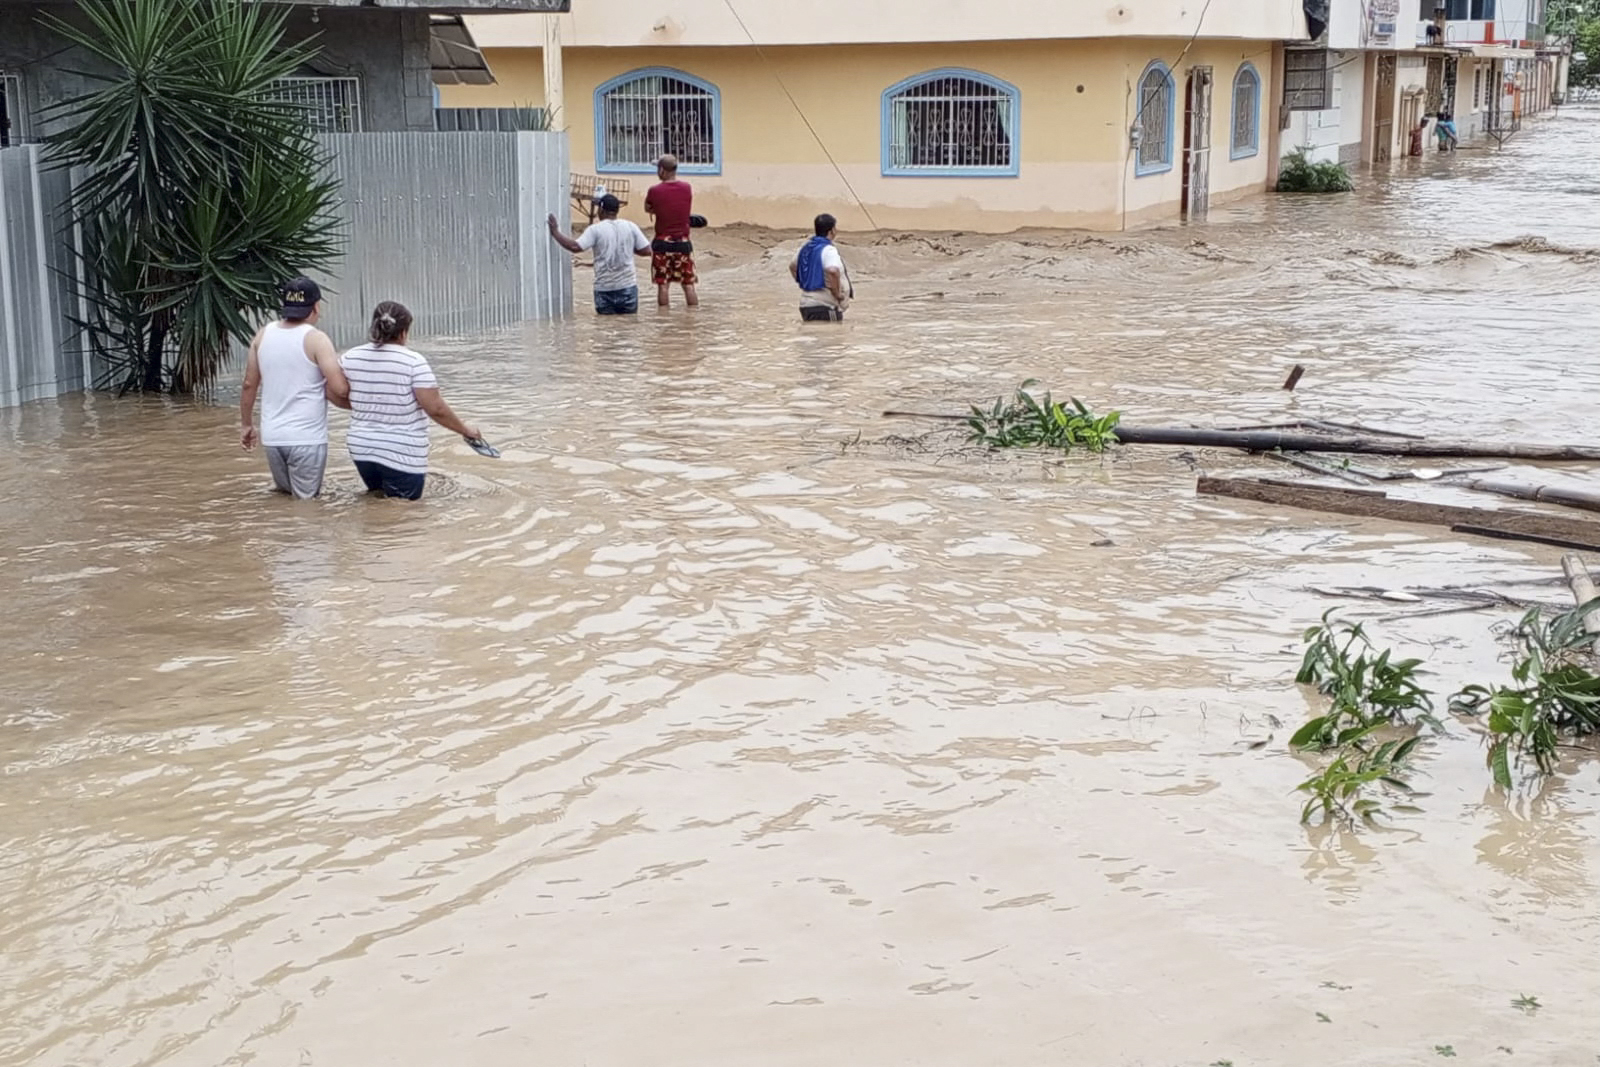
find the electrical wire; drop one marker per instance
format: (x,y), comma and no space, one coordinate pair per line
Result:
(799,111)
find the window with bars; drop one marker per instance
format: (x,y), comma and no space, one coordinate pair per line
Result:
(1246,139)
(1305,79)
(645,114)
(13,114)
(951,122)
(1156,94)
(330,105)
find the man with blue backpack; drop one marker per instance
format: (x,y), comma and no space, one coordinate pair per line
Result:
(825,289)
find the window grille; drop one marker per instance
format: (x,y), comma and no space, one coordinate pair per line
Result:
(1155,119)
(951,122)
(13,114)
(1305,79)
(1246,112)
(654,113)
(330,105)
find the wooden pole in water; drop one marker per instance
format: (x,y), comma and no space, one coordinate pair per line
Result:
(1572,498)
(1489,522)
(1273,441)
(1583,591)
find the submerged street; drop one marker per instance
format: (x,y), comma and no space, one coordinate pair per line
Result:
(708,726)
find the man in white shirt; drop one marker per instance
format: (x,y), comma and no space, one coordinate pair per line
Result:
(825,289)
(615,242)
(295,370)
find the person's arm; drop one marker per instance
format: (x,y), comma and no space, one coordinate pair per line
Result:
(641,243)
(562,239)
(432,401)
(794,269)
(833,278)
(337,387)
(247,395)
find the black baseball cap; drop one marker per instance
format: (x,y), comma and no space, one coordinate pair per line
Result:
(609,204)
(300,297)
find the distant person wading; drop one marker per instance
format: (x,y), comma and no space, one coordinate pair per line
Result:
(825,289)
(393,394)
(670,203)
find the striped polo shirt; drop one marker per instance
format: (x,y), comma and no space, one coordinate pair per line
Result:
(387,425)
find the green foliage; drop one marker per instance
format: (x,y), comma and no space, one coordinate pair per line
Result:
(1364,690)
(1368,692)
(1029,422)
(1526,1004)
(199,193)
(1299,175)
(1555,693)
(1336,793)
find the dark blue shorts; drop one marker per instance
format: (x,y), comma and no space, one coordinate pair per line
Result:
(617,301)
(402,485)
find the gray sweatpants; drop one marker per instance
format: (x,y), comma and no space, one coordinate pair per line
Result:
(298,469)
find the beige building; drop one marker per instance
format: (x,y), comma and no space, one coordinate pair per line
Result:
(949,115)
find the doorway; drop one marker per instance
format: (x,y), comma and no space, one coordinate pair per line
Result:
(1383,111)
(11,111)
(1197,144)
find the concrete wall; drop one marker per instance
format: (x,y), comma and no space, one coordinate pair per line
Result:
(692,23)
(386,49)
(1335,134)
(1077,105)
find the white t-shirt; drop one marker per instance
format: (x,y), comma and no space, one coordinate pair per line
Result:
(294,405)
(831,260)
(387,425)
(614,242)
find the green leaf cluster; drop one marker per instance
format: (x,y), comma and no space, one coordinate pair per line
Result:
(196,192)
(1026,421)
(1299,174)
(1555,693)
(1369,692)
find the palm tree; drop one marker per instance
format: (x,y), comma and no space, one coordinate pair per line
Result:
(197,192)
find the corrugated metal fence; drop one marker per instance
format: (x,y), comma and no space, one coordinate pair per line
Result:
(37,358)
(449,224)
(452,226)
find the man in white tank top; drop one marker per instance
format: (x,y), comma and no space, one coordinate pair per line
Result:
(295,370)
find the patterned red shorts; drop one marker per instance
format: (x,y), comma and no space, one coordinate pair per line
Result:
(672,268)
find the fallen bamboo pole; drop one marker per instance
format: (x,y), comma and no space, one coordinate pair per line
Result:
(1584,592)
(1549,494)
(1274,441)
(1515,525)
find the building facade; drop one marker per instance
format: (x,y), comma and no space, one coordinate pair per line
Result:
(921,116)
(1356,94)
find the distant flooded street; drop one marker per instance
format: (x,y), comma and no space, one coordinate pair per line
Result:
(708,727)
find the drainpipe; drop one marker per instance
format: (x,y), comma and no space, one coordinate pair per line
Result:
(554,77)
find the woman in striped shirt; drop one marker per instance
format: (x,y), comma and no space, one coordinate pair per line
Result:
(393,394)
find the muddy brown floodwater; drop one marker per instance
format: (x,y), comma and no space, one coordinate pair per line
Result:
(696,731)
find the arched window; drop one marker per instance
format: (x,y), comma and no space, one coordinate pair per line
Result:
(946,123)
(1155,120)
(645,113)
(1246,138)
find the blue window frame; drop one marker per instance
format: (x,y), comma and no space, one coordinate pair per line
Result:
(1156,117)
(640,115)
(1245,140)
(952,123)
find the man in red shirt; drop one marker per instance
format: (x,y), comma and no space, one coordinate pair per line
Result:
(669,203)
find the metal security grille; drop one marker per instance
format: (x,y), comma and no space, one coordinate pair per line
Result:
(657,114)
(1305,79)
(1246,92)
(947,123)
(13,116)
(1155,119)
(331,105)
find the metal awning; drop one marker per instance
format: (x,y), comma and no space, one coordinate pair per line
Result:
(454,55)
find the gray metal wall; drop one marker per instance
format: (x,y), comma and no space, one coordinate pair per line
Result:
(37,356)
(451,225)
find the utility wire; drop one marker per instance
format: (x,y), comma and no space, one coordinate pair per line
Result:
(798,111)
